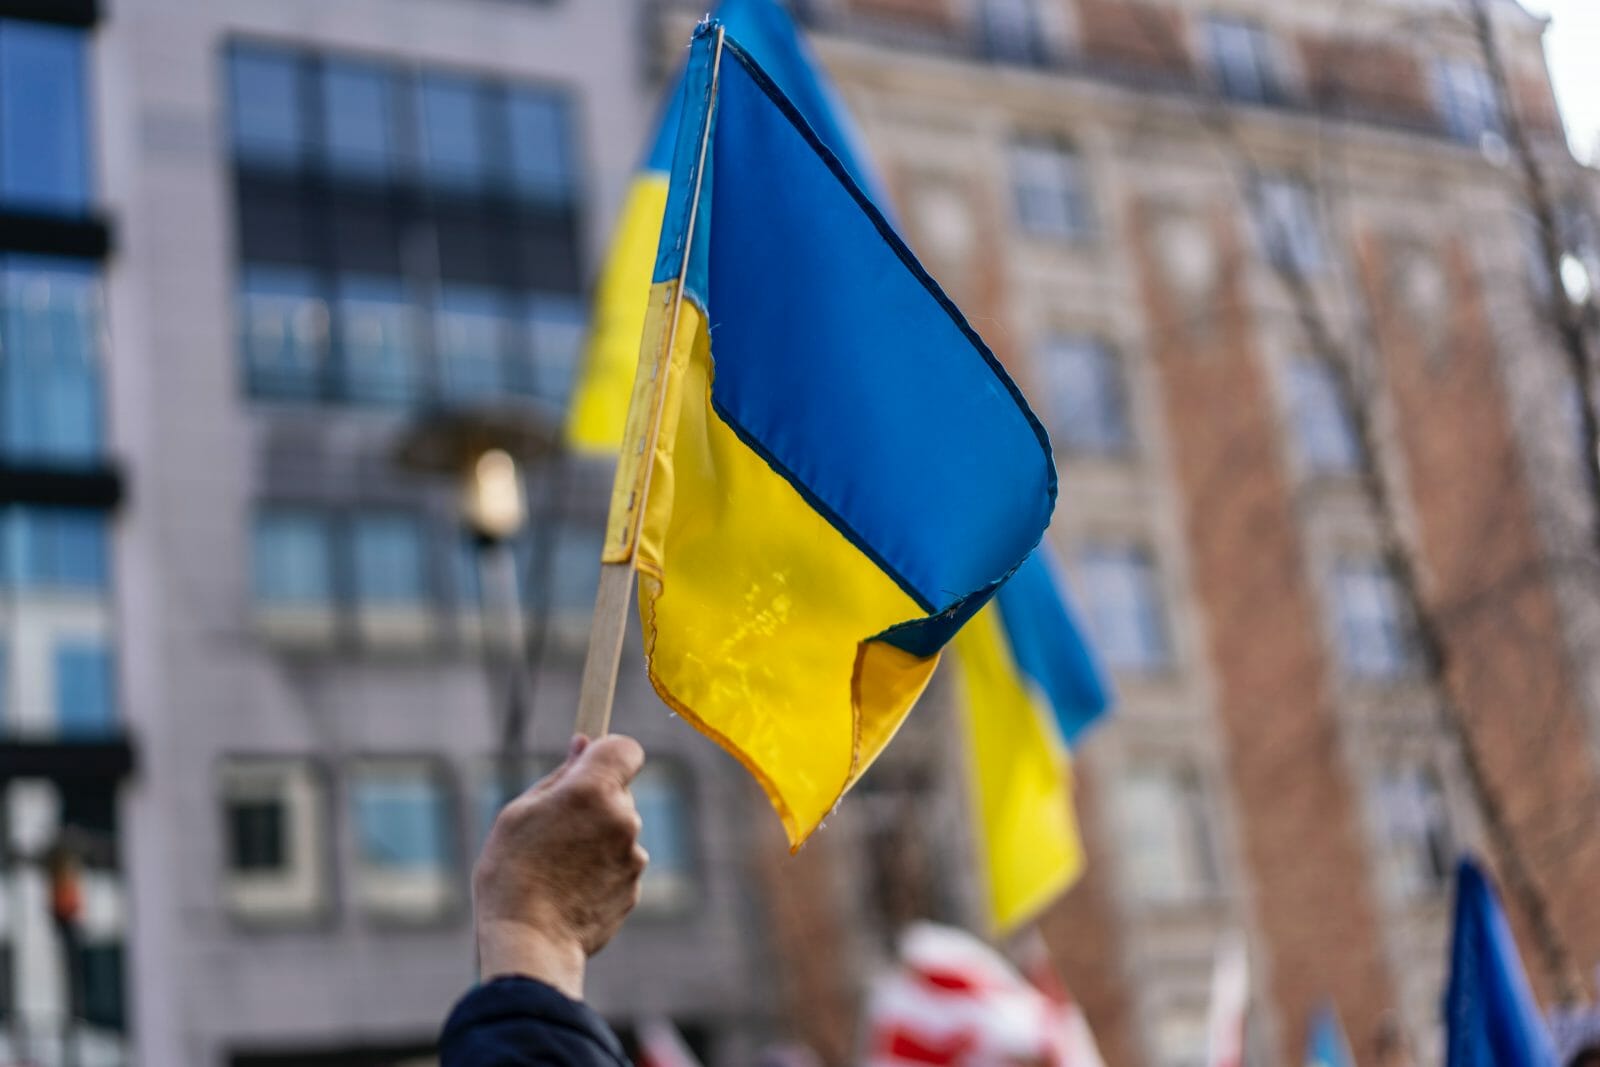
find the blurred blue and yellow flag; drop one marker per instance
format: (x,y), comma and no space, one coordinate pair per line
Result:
(1326,1045)
(1491,1018)
(600,400)
(843,474)
(1029,685)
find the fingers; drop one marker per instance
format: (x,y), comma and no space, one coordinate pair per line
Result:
(614,759)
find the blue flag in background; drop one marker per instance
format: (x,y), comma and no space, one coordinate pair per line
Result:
(1327,1047)
(1490,1016)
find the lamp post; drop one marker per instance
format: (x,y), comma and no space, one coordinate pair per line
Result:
(490,450)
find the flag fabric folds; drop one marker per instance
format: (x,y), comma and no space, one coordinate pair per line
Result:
(1230,1003)
(1491,1019)
(1326,1046)
(1028,685)
(843,473)
(600,399)
(954,1001)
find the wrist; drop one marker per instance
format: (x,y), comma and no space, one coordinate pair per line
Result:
(507,947)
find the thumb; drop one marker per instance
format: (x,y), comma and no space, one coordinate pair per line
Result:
(616,758)
(575,749)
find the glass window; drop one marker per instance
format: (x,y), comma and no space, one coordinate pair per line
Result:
(267,109)
(49,359)
(1286,217)
(376,340)
(1466,100)
(258,829)
(542,166)
(293,563)
(1322,419)
(1049,189)
(1182,1035)
(84,688)
(44,160)
(1085,396)
(403,843)
(1373,622)
(283,331)
(358,119)
(667,833)
(100,969)
(452,119)
(1167,839)
(60,550)
(1011,30)
(556,326)
(576,570)
(1241,60)
(1122,595)
(472,334)
(1414,823)
(390,561)
(274,815)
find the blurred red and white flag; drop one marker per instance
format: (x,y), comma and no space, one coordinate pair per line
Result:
(1230,1003)
(660,1045)
(1069,1041)
(956,1002)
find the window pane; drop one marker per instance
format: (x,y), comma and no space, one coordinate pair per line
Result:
(390,561)
(100,966)
(1322,419)
(49,359)
(84,687)
(1373,622)
(1048,187)
(283,332)
(1085,396)
(55,549)
(358,119)
(1287,217)
(257,832)
(376,340)
(1123,600)
(541,150)
(400,821)
(293,566)
(1241,55)
(1415,825)
(1011,30)
(576,570)
(274,815)
(1167,837)
(667,834)
(556,327)
(472,332)
(1467,100)
(451,114)
(267,108)
(43,131)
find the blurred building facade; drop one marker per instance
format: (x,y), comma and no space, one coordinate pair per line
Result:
(1174,221)
(250,249)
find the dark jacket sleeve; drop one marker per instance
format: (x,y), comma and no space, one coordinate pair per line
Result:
(520,1022)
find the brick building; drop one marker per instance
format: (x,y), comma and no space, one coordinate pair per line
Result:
(1206,237)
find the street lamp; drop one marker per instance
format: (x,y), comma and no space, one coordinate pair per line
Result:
(490,450)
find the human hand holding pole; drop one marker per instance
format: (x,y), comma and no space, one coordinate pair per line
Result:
(560,870)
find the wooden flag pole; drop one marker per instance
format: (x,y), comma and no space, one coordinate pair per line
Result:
(631,488)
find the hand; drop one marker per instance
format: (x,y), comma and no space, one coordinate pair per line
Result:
(561,868)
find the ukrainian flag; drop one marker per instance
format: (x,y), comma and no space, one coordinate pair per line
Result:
(842,473)
(1029,685)
(600,400)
